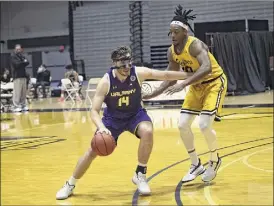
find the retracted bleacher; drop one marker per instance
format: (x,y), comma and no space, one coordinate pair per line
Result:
(159,56)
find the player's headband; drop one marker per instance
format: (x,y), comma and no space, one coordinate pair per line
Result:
(125,57)
(181,24)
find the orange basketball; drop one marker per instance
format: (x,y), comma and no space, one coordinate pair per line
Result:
(103,144)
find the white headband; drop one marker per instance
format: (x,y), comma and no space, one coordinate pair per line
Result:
(178,23)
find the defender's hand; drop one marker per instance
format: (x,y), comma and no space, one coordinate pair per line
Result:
(176,88)
(103,129)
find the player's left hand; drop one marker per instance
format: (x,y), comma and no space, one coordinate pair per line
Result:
(176,88)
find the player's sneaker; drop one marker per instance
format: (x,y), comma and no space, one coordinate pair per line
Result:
(211,170)
(141,182)
(17,109)
(194,171)
(25,109)
(65,191)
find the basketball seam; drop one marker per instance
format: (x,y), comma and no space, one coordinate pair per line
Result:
(105,144)
(97,147)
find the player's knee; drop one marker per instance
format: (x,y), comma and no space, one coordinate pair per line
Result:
(145,131)
(148,132)
(183,125)
(204,125)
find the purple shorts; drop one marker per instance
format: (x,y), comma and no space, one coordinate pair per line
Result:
(118,126)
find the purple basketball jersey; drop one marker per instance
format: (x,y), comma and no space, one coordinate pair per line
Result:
(124,98)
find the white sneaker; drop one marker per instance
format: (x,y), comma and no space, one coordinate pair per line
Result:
(25,108)
(17,109)
(141,182)
(65,191)
(194,171)
(211,170)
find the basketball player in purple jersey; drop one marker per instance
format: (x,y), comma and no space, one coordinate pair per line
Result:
(120,89)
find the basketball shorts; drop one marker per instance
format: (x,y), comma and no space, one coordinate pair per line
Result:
(206,98)
(118,126)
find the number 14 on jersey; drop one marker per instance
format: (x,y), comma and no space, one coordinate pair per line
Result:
(123,100)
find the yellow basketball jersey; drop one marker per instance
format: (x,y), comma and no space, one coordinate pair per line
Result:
(191,64)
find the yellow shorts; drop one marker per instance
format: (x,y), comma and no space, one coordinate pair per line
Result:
(206,98)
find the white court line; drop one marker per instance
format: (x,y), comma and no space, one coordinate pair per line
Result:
(207,189)
(23,130)
(245,161)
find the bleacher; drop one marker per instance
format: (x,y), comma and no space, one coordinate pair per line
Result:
(159,56)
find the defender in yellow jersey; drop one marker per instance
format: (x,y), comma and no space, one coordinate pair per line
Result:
(207,89)
(198,99)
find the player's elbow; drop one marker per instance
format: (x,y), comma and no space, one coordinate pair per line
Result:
(207,68)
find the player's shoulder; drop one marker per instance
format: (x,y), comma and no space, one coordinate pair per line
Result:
(104,81)
(103,84)
(196,46)
(105,78)
(194,41)
(140,70)
(170,49)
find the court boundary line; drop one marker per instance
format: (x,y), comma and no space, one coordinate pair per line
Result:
(239,106)
(28,129)
(136,193)
(180,184)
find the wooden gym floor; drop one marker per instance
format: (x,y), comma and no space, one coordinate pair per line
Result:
(39,150)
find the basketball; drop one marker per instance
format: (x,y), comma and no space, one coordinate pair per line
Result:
(103,144)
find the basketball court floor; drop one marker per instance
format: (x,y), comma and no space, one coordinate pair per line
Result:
(39,150)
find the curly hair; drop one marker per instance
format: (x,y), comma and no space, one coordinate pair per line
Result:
(183,17)
(121,53)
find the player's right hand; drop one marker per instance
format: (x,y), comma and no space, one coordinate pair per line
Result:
(103,129)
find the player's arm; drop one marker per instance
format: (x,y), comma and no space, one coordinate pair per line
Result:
(199,50)
(98,99)
(172,66)
(147,73)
